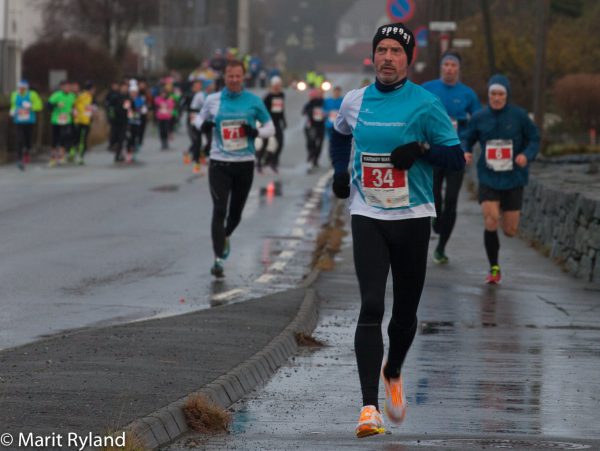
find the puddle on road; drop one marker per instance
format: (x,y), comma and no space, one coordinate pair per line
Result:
(436,327)
(165,188)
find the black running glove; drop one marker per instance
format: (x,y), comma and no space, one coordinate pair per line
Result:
(251,132)
(341,185)
(405,155)
(207,126)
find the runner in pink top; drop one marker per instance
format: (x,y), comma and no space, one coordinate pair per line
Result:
(163,107)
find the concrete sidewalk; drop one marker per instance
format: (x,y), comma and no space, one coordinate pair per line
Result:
(99,380)
(512,366)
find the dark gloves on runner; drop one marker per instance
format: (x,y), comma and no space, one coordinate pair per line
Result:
(341,185)
(251,132)
(207,126)
(404,156)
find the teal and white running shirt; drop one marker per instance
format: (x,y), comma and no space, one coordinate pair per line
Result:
(380,122)
(229,111)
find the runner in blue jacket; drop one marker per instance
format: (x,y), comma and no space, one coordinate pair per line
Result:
(461,103)
(509,141)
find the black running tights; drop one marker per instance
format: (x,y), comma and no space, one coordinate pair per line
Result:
(230,185)
(379,245)
(445,205)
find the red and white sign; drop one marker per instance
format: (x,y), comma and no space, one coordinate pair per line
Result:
(499,155)
(383,186)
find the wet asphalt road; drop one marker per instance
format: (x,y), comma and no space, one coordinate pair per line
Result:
(513,367)
(98,245)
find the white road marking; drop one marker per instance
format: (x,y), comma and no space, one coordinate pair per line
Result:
(293,243)
(297,232)
(286,255)
(265,278)
(278,266)
(226,295)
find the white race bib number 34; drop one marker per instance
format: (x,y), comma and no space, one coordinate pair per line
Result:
(383,186)
(233,135)
(499,155)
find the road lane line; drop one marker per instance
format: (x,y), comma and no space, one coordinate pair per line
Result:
(265,278)
(286,255)
(226,295)
(292,244)
(278,266)
(298,232)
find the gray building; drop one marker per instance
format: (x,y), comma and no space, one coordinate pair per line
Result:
(197,25)
(20,22)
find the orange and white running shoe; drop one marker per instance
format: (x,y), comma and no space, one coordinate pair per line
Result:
(395,401)
(369,423)
(187,158)
(196,169)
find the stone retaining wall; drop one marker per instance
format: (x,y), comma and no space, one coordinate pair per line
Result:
(566,225)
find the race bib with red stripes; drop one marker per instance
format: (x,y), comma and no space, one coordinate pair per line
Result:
(383,186)
(499,155)
(277,105)
(233,135)
(24,114)
(63,119)
(317,114)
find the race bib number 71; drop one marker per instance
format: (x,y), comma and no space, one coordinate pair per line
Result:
(383,186)
(233,135)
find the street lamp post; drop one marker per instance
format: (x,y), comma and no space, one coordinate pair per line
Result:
(243,26)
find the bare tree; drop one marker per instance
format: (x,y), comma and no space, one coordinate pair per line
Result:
(109,22)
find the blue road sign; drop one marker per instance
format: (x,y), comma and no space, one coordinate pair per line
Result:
(400,10)
(421,36)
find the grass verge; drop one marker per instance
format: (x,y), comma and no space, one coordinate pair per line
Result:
(308,341)
(204,416)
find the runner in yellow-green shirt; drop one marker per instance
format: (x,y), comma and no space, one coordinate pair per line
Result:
(84,108)
(61,104)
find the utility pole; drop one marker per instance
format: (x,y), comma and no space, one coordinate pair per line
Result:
(489,36)
(539,77)
(243,27)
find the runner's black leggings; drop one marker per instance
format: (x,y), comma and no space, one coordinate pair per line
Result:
(379,245)
(83,132)
(230,184)
(445,206)
(314,142)
(24,133)
(163,130)
(271,158)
